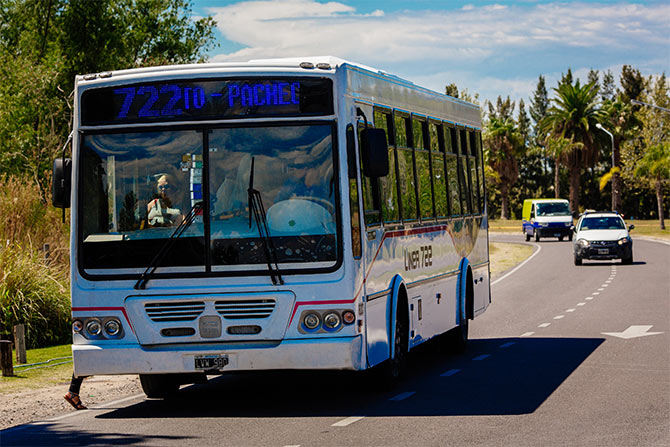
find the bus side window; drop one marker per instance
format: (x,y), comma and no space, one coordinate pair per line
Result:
(371,209)
(439,179)
(453,171)
(407,189)
(474,178)
(423,175)
(388,185)
(464,173)
(354,208)
(480,172)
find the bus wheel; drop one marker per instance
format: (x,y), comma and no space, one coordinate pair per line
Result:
(394,369)
(159,386)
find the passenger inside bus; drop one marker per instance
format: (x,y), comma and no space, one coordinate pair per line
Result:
(159,210)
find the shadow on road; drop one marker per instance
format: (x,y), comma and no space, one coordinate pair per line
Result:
(516,377)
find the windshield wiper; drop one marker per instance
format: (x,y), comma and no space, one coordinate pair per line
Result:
(153,265)
(257,210)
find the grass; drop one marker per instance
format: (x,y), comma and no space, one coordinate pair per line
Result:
(43,377)
(650,228)
(504,256)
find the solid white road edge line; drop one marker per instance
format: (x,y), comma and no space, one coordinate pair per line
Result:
(104,406)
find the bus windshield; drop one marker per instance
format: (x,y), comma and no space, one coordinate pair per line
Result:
(136,187)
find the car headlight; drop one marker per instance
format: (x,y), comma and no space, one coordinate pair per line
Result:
(583,243)
(624,240)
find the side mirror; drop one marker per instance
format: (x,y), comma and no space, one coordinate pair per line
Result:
(631,227)
(374,152)
(61,183)
(573,228)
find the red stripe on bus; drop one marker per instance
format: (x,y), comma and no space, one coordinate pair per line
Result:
(99,309)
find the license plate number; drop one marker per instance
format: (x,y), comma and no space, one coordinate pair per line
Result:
(603,251)
(207,362)
(557,234)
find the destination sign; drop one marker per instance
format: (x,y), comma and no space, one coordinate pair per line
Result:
(207,99)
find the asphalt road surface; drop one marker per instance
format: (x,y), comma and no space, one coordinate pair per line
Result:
(565,355)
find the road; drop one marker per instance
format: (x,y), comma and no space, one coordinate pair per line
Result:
(565,355)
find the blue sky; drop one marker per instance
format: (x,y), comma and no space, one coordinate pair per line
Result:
(487,47)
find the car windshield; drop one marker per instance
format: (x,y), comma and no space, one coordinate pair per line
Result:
(602,223)
(135,188)
(553,209)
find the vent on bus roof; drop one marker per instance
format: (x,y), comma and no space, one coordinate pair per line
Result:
(174,311)
(239,309)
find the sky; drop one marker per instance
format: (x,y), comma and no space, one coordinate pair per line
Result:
(493,48)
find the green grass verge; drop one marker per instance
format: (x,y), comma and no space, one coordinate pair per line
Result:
(504,256)
(38,378)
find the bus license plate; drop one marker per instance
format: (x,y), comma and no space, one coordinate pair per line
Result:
(207,362)
(603,251)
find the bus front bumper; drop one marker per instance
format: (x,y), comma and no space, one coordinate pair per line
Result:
(325,353)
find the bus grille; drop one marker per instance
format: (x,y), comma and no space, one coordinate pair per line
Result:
(238,309)
(174,311)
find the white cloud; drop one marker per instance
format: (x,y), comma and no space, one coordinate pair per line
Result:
(485,42)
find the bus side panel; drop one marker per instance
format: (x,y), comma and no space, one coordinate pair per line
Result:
(438,308)
(480,269)
(377,326)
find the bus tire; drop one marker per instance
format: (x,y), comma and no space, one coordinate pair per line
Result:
(394,369)
(457,338)
(159,386)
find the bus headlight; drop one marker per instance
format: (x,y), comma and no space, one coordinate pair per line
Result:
(93,327)
(332,321)
(311,321)
(77,326)
(112,328)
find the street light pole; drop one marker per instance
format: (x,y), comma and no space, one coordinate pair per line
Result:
(614,174)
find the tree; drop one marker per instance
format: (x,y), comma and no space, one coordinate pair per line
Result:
(573,115)
(607,89)
(504,144)
(655,165)
(559,147)
(451,90)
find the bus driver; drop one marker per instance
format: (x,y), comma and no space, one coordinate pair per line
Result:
(159,211)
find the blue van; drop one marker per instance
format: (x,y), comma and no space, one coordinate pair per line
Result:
(546,218)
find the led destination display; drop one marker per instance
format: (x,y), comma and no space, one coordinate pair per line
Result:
(207,99)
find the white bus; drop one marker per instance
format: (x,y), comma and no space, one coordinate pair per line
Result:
(276,214)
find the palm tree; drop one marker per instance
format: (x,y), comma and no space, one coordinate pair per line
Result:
(559,147)
(574,113)
(655,165)
(504,143)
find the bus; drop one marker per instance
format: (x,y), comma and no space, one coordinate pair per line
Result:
(306,213)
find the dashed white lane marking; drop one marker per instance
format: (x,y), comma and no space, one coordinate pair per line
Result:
(544,325)
(402,396)
(481,357)
(450,373)
(605,285)
(608,281)
(295,445)
(582,304)
(527,334)
(558,317)
(588,298)
(595,293)
(507,345)
(347,421)
(601,289)
(570,310)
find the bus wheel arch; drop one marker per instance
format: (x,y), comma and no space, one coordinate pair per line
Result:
(457,338)
(393,369)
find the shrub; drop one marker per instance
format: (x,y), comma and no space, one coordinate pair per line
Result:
(33,294)
(34,289)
